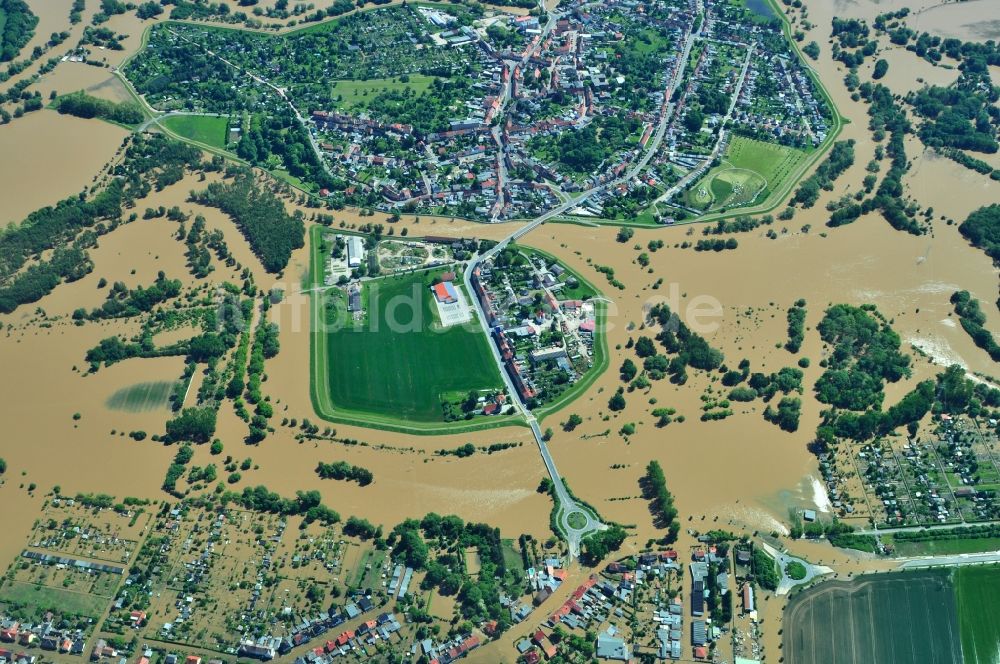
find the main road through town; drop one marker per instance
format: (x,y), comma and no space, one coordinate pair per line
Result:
(585,522)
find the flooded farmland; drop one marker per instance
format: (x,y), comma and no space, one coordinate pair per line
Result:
(58,156)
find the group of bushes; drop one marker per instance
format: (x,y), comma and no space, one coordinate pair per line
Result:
(341,470)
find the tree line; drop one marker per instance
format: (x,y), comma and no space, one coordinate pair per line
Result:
(654,487)
(83,105)
(342,470)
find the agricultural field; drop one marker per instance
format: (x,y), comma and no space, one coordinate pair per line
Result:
(142,397)
(897,618)
(399,363)
(978,594)
(750,171)
(206,129)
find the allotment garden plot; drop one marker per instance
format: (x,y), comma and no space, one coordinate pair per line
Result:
(949,475)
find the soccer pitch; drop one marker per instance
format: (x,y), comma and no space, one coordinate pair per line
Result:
(398,361)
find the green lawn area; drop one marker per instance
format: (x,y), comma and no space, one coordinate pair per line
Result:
(750,171)
(511,557)
(357,94)
(946,546)
(399,362)
(977,590)
(34,600)
(201,128)
(141,397)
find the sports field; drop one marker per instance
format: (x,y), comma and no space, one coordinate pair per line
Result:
(357,94)
(749,172)
(898,618)
(399,360)
(141,397)
(201,128)
(978,593)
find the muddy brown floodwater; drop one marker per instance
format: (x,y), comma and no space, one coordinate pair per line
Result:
(741,473)
(57,156)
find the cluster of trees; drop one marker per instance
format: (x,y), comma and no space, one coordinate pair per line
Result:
(796,326)
(193,424)
(341,470)
(73,225)
(40,279)
(427,112)
(718,244)
(786,415)
(982,229)
(986,531)
(741,224)
(17,26)
(958,116)
(973,321)
(461,451)
(198,242)
(689,349)
(596,546)
(261,217)
(83,105)
(765,569)
(124,302)
(654,488)
(265,346)
(865,353)
(52,228)
(970,162)
(361,528)
(886,115)
(308,504)
(583,150)
(841,158)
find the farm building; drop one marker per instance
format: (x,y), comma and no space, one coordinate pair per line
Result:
(445,292)
(355,251)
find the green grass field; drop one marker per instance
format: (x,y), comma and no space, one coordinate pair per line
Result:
(201,128)
(749,172)
(398,362)
(34,600)
(141,397)
(356,94)
(977,590)
(944,547)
